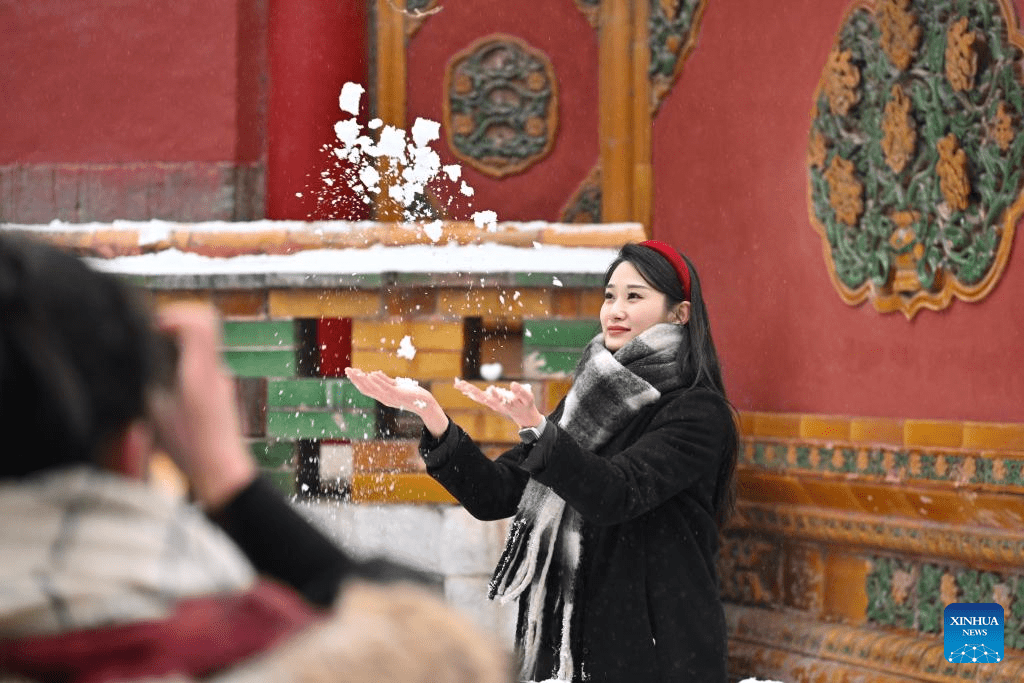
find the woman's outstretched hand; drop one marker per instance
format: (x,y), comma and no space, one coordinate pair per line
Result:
(401,394)
(516,403)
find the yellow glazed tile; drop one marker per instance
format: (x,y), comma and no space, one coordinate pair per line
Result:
(398,487)
(933,433)
(876,430)
(747,423)
(425,365)
(845,593)
(398,455)
(377,335)
(498,429)
(591,301)
(943,507)
(167,298)
(994,436)
(779,425)
(882,499)
(512,302)
(323,303)
(760,487)
(565,303)
(451,398)
(830,494)
(825,427)
(388,363)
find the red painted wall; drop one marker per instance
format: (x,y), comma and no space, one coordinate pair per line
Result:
(559,30)
(122,81)
(731,191)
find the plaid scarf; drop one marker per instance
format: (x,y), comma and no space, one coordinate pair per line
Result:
(84,548)
(608,391)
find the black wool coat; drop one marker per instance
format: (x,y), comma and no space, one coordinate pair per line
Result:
(647,607)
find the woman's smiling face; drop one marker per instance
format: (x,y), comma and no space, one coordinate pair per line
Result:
(631,306)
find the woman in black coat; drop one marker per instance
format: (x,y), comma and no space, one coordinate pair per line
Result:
(617,495)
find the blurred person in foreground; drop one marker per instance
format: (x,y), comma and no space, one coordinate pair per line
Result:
(105,577)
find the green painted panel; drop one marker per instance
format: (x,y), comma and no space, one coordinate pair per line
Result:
(563,334)
(589,280)
(272,453)
(344,396)
(553,362)
(360,426)
(292,424)
(261,363)
(282,479)
(248,333)
(311,393)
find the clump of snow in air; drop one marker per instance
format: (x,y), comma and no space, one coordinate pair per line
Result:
(406,382)
(384,159)
(490,371)
(406,349)
(349,98)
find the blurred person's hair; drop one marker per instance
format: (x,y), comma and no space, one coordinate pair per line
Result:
(78,352)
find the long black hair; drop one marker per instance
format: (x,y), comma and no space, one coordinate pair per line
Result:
(698,357)
(78,353)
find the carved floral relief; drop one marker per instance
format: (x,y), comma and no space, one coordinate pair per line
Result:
(915,154)
(500,105)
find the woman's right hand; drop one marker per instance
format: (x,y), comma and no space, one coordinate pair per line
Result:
(404,395)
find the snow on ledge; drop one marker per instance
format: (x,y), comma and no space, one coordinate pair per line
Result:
(161,248)
(414,258)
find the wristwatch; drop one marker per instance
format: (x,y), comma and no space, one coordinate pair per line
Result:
(531,434)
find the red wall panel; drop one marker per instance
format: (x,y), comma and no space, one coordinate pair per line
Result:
(118,81)
(559,30)
(731,191)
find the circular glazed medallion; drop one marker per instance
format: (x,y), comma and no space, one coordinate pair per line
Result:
(915,153)
(501,105)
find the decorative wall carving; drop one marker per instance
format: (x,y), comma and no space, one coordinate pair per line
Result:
(957,467)
(500,105)
(915,152)
(590,9)
(672,34)
(912,595)
(750,570)
(584,206)
(417,11)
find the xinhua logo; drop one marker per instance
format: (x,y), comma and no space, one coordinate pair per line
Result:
(973,633)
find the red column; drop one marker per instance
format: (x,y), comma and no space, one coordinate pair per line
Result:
(315,47)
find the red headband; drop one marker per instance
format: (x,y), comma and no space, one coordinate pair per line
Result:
(675,259)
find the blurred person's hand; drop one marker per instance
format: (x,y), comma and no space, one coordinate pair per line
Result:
(197,420)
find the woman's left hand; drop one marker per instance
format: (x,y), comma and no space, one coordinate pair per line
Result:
(516,403)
